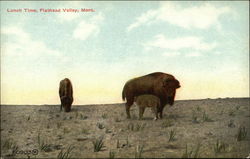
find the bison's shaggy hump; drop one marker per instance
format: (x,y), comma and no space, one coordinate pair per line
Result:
(159,84)
(66,94)
(158,74)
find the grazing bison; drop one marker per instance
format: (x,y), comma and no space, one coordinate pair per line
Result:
(66,94)
(148,100)
(159,84)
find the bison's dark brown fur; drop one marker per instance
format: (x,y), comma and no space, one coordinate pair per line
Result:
(159,84)
(66,94)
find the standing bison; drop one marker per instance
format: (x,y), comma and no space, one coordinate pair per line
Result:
(66,94)
(159,84)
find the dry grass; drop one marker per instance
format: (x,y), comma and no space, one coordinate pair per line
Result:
(104,115)
(172,134)
(185,122)
(206,118)
(136,127)
(98,143)
(219,146)
(111,154)
(65,154)
(193,153)
(242,133)
(139,151)
(167,123)
(100,125)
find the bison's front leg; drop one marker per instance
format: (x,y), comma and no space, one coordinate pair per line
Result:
(161,115)
(61,104)
(160,110)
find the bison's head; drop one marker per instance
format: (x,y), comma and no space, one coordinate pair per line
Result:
(66,103)
(170,86)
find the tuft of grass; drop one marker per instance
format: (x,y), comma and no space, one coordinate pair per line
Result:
(173,116)
(127,142)
(196,151)
(242,133)
(8,144)
(108,130)
(122,114)
(65,154)
(117,119)
(14,149)
(193,153)
(219,146)
(187,154)
(46,147)
(167,123)
(232,113)
(131,126)
(82,117)
(104,116)
(85,131)
(198,108)
(140,127)
(172,135)
(206,118)
(48,126)
(194,117)
(39,140)
(58,125)
(117,143)
(98,144)
(237,107)
(111,154)
(43,146)
(100,125)
(66,130)
(136,127)
(231,124)
(139,151)
(76,114)
(221,112)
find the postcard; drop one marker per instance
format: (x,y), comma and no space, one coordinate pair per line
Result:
(125,79)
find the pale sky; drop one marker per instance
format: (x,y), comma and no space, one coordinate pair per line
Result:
(205,45)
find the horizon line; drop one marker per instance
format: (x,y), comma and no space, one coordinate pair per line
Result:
(124,102)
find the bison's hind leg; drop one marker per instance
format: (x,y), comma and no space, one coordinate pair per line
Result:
(128,111)
(129,103)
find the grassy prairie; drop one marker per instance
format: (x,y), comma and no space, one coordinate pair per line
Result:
(190,128)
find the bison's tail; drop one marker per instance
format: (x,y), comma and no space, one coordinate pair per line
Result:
(123,94)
